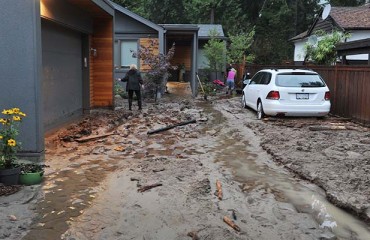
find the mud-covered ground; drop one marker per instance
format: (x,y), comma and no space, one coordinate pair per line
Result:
(95,188)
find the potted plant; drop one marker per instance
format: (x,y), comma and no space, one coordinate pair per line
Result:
(31,173)
(9,145)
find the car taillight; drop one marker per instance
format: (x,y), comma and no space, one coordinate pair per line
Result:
(273,95)
(327,96)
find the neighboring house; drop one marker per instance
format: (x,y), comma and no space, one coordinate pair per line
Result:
(204,37)
(59,58)
(132,31)
(56,62)
(354,20)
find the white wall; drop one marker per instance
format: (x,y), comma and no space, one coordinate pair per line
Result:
(299,52)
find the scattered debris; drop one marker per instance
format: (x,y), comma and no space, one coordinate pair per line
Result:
(324,128)
(231,223)
(119,148)
(193,235)
(148,187)
(8,190)
(172,126)
(219,190)
(159,170)
(90,138)
(12,218)
(233,214)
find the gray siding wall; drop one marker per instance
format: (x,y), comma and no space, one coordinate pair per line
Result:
(62,73)
(125,24)
(20,67)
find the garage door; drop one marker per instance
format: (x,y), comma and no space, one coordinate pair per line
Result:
(62,74)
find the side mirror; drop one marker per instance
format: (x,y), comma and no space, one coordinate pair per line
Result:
(246,81)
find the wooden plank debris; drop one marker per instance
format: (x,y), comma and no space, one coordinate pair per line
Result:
(219,190)
(90,138)
(325,128)
(231,223)
(146,188)
(171,126)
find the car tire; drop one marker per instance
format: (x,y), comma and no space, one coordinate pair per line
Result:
(260,112)
(243,101)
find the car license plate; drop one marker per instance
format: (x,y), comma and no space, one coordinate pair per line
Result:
(301,96)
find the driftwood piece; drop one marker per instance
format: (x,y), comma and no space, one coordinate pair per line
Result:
(231,223)
(90,138)
(146,188)
(325,128)
(159,170)
(219,190)
(171,126)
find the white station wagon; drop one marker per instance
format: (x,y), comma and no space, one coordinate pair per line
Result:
(287,92)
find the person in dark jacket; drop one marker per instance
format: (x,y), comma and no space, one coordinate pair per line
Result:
(134,84)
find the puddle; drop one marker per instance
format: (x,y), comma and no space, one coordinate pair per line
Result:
(66,194)
(242,158)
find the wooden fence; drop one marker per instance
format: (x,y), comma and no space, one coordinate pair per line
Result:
(349,87)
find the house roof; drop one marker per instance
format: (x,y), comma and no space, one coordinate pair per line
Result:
(204,30)
(351,18)
(354,47)
(135,16)
(180,27)
(344,18)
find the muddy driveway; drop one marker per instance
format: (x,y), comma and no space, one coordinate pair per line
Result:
(126,184)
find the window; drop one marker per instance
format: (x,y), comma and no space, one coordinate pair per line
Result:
(299,80)
(257,78)
(127,48)
(265,80)
(123,53)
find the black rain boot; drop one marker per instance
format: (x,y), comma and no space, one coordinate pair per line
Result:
(130,104)
(139,103)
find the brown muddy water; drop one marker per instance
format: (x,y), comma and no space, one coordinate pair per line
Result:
(66,194)
(253,173)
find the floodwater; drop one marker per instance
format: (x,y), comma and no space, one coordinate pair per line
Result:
(70,191)
(254,172)
(66,194)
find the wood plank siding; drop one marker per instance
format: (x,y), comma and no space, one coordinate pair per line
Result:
(146,42)
(101,65)
(349,88)
(183,54)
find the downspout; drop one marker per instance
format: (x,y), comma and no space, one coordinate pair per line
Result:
(162,40)
(194,67)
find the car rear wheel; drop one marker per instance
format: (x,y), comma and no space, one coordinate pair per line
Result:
(243,101)
(260,113)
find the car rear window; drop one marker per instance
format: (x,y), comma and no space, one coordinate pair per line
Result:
(299,79)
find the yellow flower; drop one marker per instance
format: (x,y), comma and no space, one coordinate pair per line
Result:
(12,142)
(1,137)
(2,120)
(8,111)
(16,118)
(16,110)
(22,114)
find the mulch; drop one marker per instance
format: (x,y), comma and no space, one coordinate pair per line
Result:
(8,190)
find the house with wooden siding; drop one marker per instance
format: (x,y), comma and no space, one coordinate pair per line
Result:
(353,20)
(132,31)
(56,62)
(59,58)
